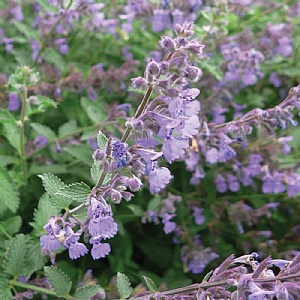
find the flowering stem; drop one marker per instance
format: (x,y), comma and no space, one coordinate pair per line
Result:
(22,141)
(33,288)
(44,45)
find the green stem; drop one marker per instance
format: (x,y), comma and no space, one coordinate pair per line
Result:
(33,287)
(22,133)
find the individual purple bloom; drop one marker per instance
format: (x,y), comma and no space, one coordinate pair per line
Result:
(293,184)
(17,13)
(285,47)
(35,48)
(233,183)
(218,116)
(126,53)
(197,176)
(221,184)
(197,214)
(40,141)
(119,151)
(254,164)
(191,161)
(158,179)
(99,249)
(246,179)
(92,94)
(174,148)
(284,141)
(168,226)
(62,45)
(160,20)
(77,249)
(212,156)
(8,44)
(225,151)
(273,184)
(249,78)
(275,80)
(178,17)
(49,242)
(13,102)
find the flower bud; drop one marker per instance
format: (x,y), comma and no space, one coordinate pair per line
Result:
(115,196)
(153,68)
(193,73)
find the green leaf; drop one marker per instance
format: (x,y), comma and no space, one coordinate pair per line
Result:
(75,191)
(5,293)
(7,160)
(150,284)
(154,203)
(96,170)
(27,30)
(12,225)
(101,140)
(42,214)
(136,209)
(81,152)
(53,57)
(9,196)
(123,285)
(59,281)
(6,116)
(12,133)
(44,130)
(48,7)
(86,292)
(53,184)
(42,103)
(67,128)
(14,262)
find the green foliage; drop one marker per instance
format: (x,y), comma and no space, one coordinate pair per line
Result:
(150,284)
(124,286)
(75,191)
(86,292)
(60,282)
(52,185)
(9,195)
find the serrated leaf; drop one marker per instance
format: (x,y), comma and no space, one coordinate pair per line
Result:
(96,170)
(42,103)
(52,184)
(76,191)
(42,214)
(14,262)
(123,285)
(67,128)
(150,284)
(9,196)
(101,140)
(27,30)
(6,116)
(60,282)
(12,225)
(86,292)
(5,293)
(136,209)
(12,133)
(44,130)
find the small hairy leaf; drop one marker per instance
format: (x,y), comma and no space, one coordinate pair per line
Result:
(81,152)
(44,130)
(59,281)
(123,285)
(96,171)
(11,132)
(86,292)
(53,184)
(12,225)
(67,128)
(76,191)
(9,196)
(5,293)
(6,116)
(101,140)
(150,284)
(14,262)
(42,213)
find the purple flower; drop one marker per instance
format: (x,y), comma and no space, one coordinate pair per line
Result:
(119,151)
(174,148)
(233,183)
(158,179)
(62,45)
(273,184)
(212,156)
(99,249)
(284,141)
(197,214)
(92,94)
(221,184)
(77,249)
(40,141)
(17,13)
(275,80)
(13,102)
(168,226)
